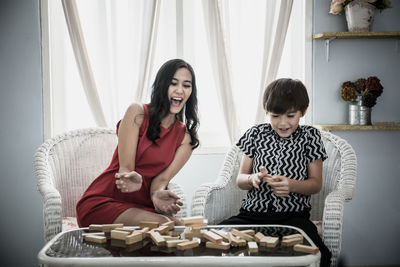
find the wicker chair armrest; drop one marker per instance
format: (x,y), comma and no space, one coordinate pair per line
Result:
(52,215)
(216,202)
(332,222)
(178,190)
(52,208)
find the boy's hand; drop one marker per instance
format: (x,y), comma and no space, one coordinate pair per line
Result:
(264,175)
(255,179)
(280,185)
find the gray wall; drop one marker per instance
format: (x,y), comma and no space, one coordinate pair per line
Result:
(371,219)
(21,131)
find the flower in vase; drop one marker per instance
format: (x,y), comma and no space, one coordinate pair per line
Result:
(368,90)
(373,85)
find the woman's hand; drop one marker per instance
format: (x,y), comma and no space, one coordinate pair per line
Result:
(128,182)
(280,185)
(166,202)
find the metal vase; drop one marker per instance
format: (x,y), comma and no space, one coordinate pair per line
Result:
(359,114)
(365,115)
(354,113)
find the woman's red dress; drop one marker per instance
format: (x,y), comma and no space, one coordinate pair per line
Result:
(102,202)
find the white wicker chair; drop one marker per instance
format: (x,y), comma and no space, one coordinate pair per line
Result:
(65,166)
(222,199)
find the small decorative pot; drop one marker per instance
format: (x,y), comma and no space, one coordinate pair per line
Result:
(354,113)
(359,16)
(365,115)
(359,114)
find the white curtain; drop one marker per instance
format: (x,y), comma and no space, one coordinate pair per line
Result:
(216,13)
(273,48)
(235,48)
(146,61)
(82,61)
(122,49)
(220,61)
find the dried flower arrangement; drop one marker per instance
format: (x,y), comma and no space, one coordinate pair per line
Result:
(368,89)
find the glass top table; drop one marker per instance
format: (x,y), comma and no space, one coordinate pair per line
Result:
(69,249)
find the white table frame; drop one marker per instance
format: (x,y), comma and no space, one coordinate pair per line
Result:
(311,260)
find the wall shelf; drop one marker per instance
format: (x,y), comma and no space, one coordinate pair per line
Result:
(330,36)
(356,35)
(376,126)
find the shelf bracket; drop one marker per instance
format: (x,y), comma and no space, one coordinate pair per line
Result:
(327,44)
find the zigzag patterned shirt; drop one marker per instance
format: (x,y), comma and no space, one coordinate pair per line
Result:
(288,157)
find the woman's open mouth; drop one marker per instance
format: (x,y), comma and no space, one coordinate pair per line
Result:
(176,101)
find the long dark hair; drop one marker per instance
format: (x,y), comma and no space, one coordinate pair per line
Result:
(160,104)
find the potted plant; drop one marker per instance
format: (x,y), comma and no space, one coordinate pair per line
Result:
(362,95)
(359,13)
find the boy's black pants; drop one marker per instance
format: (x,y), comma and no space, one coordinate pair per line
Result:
(297,219)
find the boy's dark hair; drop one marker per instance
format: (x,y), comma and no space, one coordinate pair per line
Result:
(160,104)
(283,95)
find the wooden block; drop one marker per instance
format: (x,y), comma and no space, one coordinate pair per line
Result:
(286,237)
(222,234)
(174,243)
(170,225)
(144,231)
(188,235)
(148,233)
(211,236)
(248,232)
(192,220)
(270,179)
(222,245)
(242,235)
(258,237)
(253,248)
(120,235)
(173,233)
(94,233)
(95,227)
(235,241)
(151,225)
(203,224)
(187,245)
(305,249)
(129,229)
(269,241)
(196,231)
(167,237)
(157,238)
(161,229)
(134,237)
(96,239)
(108,227)
(291,242)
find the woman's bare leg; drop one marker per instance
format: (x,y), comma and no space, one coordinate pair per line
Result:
(133,216)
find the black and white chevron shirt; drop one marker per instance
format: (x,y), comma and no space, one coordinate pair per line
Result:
(288,157)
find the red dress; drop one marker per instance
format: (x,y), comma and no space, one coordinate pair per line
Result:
(102,202)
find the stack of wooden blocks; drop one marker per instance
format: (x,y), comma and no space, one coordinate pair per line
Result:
(164,235)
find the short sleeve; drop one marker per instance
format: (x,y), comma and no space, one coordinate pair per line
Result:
(315,146)
(246,142)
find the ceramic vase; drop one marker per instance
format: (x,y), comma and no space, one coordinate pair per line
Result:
(359,16)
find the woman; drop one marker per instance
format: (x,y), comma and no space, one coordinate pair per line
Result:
(153,145)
